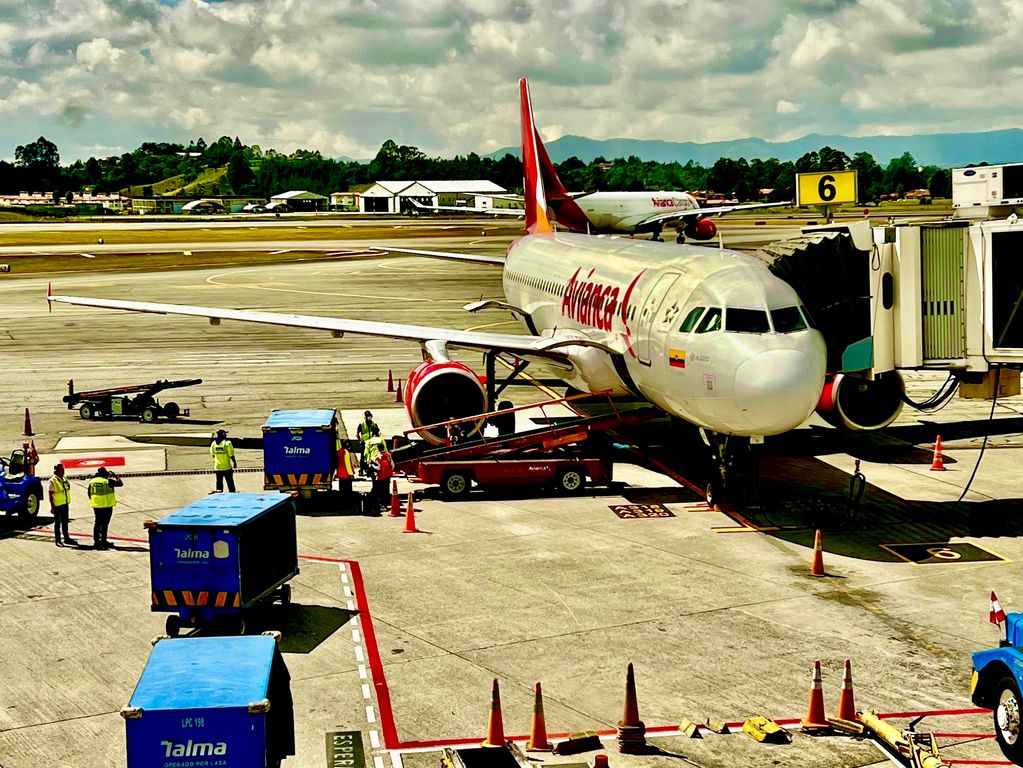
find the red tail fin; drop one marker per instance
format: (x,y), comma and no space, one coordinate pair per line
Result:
(533,186)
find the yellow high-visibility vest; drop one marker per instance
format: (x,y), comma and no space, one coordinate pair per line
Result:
(101,493)
(222,453)
(61,489)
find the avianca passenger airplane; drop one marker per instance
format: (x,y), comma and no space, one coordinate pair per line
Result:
(706,334)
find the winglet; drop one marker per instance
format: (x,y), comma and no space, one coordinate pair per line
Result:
(49,294)
(535,199)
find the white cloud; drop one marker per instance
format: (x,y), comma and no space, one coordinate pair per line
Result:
(96,53)
(786,107)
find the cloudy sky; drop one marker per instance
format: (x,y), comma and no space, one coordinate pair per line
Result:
(98,77)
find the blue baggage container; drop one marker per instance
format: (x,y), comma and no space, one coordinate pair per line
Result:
(300,450)
(216,557)
(211,701)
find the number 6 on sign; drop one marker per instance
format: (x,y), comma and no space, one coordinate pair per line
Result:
(826,188)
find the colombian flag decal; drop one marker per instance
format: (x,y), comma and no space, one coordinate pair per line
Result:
(677,358)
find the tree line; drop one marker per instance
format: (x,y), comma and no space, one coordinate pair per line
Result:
(251,171)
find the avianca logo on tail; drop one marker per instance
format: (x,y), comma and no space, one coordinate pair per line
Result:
(593,303)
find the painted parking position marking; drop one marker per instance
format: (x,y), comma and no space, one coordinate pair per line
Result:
(937,552)
(91,462)
(637,511)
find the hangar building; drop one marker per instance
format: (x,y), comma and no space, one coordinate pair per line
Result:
(299,200)
(395,196)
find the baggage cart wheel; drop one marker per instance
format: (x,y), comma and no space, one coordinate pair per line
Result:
(286,595)
(171,411)
(455,484)
(31,506)
(149,414)
(173,625)
(1006,715)
(571,480)
(86,411)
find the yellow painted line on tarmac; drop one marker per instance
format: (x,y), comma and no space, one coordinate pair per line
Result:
(216,280)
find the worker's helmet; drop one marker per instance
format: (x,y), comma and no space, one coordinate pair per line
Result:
(102,471)
(221,433)
(368,414)
(57,466)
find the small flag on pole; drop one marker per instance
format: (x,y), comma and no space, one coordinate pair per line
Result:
(997,615)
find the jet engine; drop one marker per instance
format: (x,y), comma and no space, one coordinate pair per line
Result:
(858,404)
(439,391)
(701,229)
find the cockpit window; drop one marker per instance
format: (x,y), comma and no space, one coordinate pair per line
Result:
(787,320)
(711,321)
(742,320)
(690,322)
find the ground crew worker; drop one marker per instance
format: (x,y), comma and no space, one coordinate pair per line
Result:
(383,469)
(60,499)
(345,468)
(103,500)
(374,445)
(364,432)
(224,462)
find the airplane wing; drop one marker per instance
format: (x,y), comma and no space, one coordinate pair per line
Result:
(548,348)
(718,210)
(477,258)
(520,212)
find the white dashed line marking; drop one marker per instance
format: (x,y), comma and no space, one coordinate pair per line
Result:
(363,675)
(365,691)
(371,714)
(359,656)
(374,738)
(356,637)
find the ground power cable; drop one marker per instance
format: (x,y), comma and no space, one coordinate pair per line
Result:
(987,433)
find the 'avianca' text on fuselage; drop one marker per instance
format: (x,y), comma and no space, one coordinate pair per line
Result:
(590,302)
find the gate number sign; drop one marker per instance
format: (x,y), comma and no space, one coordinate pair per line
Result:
(826,188)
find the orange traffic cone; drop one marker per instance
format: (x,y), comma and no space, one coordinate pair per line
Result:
(495,723)
(631,731)
(390,381)
(599,761)
(538,730)
(395,500)
(28,424)
(397,393)
(937,464)
(815,717)
(818,556)
(846,704)
(410,517)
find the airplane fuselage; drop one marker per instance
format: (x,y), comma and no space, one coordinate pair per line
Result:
(623,211)
(705,334)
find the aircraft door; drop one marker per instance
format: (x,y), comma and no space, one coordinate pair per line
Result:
(649,314)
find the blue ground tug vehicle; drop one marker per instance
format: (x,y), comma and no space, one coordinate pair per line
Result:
(20,491)
(300,451)
(216,558)
(997,683)
(211,701)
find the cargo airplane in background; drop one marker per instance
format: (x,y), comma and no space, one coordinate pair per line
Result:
(708,335)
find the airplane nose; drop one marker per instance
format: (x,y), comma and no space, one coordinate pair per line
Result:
(778,389)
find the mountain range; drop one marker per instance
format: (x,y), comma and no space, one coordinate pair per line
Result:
(947,150)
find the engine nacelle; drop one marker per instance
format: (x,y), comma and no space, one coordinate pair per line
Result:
(701,229)
(439,391)
(858,404)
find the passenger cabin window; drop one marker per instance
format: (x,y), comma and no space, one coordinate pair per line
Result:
(787,320)
(742,320)
(690,322)
(711,321)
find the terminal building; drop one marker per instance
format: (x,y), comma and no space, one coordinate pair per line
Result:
(396,196)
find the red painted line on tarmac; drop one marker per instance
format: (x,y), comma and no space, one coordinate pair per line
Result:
(978,762)
(934,713)
(964,735)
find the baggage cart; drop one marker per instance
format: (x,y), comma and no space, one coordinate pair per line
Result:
(300,450)
(211,701)
(217,557)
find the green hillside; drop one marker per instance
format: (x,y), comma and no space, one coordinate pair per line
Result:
(211,182)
